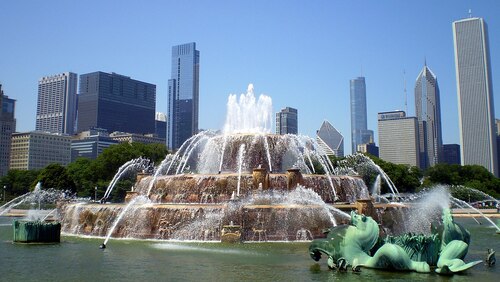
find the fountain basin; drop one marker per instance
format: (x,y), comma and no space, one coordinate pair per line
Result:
(36,231)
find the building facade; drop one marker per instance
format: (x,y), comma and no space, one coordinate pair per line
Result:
(36,150)
(287,121)
(369,148)
(428,111)
(134,137)
(90,144)
(475,94)
(330,140)
(7,127)
(116,103)
(183,95)
(56,104)
(398,138)
(451,154)
(359,130)
(161,125)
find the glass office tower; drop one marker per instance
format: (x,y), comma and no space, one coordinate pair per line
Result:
(428,111)
(183,95)
(116,103)
(359,130)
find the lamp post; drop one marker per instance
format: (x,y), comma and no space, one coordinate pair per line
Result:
(95,194)
(4,187)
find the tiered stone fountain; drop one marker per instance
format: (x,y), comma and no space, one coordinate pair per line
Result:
(265,184)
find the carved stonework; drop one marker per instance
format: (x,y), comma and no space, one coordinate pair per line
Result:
(130,196)
(260,176)
(294,178)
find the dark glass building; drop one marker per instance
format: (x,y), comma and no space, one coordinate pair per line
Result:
(428,111)
(287,121)
(183,95)
(451,154)
(7,127)
(116,103)
(359,130)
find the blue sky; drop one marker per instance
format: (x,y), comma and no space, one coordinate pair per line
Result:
(301,53)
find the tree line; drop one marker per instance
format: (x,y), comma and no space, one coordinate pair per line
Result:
(84,175)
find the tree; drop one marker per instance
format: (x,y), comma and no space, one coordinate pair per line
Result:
(18,182)
(82,171)
(405,177)
(56,176)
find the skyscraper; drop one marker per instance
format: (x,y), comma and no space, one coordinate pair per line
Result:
(161,125)
(183,95)
(56,105)
(359,131)
(7,127)
(398,138)
(287,121)
(116,103)
(330,140)
(475,94)
(428,110)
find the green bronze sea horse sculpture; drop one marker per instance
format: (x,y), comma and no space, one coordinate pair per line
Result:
(352,244)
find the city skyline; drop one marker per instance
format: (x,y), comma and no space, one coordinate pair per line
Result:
(260,46)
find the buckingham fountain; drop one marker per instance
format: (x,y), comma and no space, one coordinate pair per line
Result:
(243,183)
(247,184)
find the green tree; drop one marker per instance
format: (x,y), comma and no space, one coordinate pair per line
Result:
(82,171)
(18,182)
(56,176)
(405,177)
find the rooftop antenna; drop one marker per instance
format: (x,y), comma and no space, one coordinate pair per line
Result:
(406,96)
(470,13)
(361,70)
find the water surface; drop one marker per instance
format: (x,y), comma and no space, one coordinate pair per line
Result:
(80,259)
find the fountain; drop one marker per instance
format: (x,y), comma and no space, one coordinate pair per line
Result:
(247,184)
(36,226)
(246,175)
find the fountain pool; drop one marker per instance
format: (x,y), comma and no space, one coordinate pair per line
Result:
(132,260)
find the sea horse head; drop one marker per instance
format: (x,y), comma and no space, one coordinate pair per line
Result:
(366,231)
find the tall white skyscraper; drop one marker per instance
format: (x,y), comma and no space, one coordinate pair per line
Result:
(56,106)
(428,111)
(475,94)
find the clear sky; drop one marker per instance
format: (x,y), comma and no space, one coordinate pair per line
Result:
(301,53)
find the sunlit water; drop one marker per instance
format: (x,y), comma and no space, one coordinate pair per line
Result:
(80,259)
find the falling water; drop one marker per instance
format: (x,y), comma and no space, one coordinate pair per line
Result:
(168,159)
(224,144)
(186,158)
(267,153)
(376,186)
(135,164)
(478,211)
(12,203)
(51,212)
(241,154)
(138,200)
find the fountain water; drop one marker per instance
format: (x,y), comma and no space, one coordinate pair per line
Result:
(246,176)
(139,164)
(241,154)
